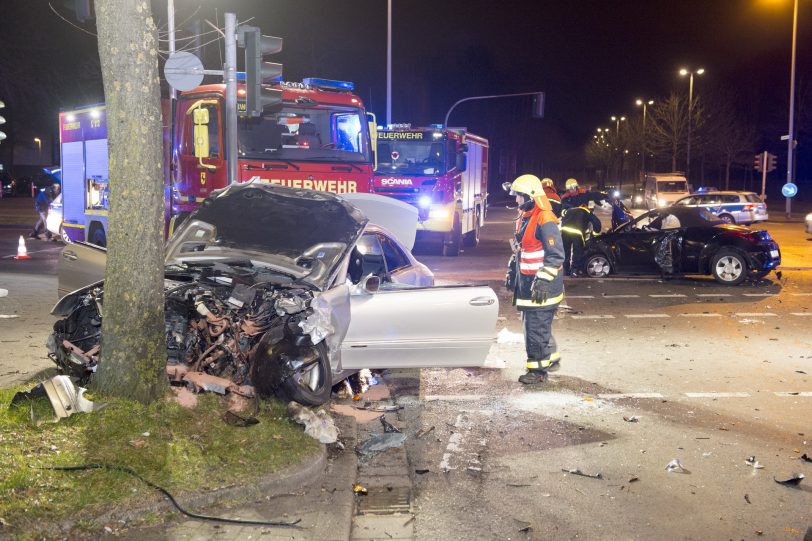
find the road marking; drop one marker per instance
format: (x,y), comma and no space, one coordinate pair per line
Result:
(787,394)
(3,292)
(717,395)
(714,295)
(594,317)
(758,294)
(801,314)
(801,294)
(755,314)
(647,315)
(701,315)
(579,296)
(610,396)
(621,296)
(668,296)
(452,397)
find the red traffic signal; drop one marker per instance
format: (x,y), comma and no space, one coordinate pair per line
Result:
(757,165)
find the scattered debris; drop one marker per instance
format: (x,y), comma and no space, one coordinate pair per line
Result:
(184,397)
(707,455)
(319,425)
(747,498)
(381,442)
(805,458)
(359,490)
(386,408)
(518,485)
(576,471)
(65,398)
(137,443)
(506,337)
(422,471)
(387,426)
(423,431)
(237,420)
(793,481)
(631,419)
(800,372)
(676,466)
(634,479)
(751,461)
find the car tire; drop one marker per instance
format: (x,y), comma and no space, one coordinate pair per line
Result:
(311,387)
(98,237)
(64,235)
(471,239)
(727,218)
(453,239)
(729,267)
(597,266)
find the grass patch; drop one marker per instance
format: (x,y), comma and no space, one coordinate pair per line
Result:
(185,450)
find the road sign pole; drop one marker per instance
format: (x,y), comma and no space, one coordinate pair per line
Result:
(763,175)
(231,96)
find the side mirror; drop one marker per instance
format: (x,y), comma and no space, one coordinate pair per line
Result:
(371,283)
(373,139)
(201,121)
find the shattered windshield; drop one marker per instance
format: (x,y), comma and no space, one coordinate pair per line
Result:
(295,133)
(410,157)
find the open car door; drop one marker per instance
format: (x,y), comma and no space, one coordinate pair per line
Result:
(401,326)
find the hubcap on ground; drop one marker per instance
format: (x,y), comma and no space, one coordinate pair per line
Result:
(729,268)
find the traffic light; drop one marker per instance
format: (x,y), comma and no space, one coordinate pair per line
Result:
(757,165)
(2,121)
(538,105)
(258,72)
(771,159)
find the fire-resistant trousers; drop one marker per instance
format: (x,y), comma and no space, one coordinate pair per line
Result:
(538,333)
(573,251)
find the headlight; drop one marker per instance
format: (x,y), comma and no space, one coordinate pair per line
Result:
(638,199)
(662,203)
(616,193)
(439,213)
(424,201)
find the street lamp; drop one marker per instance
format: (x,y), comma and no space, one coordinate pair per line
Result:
(644,104)
(38,141)
(685,72)
(791,135)
(617,121)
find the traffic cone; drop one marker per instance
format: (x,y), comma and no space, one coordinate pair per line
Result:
(22,252)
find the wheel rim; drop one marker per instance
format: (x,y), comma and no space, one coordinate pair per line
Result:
(727,219)
(729,268)
(64,235)
(310,376)
(598,267)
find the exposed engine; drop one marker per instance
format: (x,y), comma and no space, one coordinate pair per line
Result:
(242,323)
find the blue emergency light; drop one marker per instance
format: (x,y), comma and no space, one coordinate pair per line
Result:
(329,83)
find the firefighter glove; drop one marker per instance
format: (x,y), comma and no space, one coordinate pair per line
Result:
(510,277)
(541,285)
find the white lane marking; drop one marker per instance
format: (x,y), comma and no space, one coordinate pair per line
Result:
(457,449)
(787,394)
(668,296)
(3,292)
(4,316)
(455,442)
(801,294)
(717,395)
(605,316)
(610,396)
(452,397)
(646,315)
(758,294)
(579,296)
(755,314)
(621,296)
(701,315)
(714,295)
(802,314)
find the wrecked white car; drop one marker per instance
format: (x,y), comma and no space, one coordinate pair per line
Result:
(287,292)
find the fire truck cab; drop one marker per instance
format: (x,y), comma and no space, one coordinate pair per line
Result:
(441,171)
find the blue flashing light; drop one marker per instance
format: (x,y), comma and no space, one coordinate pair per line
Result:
(424,201)
(436,126)
(241,76)
(329,83)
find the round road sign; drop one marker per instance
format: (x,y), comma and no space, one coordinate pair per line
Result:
(183,71)
(789,189)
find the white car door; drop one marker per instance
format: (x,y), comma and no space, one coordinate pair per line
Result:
(402,326)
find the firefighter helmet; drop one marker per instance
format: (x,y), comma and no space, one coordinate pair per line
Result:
(547,181)
(527,184)
(571,184)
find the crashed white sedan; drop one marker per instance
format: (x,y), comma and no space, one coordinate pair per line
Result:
(288,291)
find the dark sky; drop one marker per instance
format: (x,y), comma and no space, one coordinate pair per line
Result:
(592,58)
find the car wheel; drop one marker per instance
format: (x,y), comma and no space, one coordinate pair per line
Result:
(729,267)
(471,239)
(598,266)
(98,237)
(299,373)
(64,235)
(727,218)
(453,239)
(311,384)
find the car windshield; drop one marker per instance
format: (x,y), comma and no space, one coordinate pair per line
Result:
(660,219)
(672,186)
(752,198)
(328,133)
(411,157)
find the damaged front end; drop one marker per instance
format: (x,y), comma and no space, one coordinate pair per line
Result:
(229,321)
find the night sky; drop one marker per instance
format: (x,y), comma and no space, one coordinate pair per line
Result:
(592,58)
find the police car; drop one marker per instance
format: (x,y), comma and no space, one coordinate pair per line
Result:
(730,207)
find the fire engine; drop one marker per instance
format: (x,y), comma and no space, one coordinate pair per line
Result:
(319,138)
(441,171)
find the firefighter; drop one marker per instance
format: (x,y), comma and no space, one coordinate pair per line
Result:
(552,196)
(572,189)
(577,224)
(535,276)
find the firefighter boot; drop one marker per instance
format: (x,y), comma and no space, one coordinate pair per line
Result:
(532,377)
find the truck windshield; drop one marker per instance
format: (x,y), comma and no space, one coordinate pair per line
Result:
(411,157)
(324,133)
(672,186)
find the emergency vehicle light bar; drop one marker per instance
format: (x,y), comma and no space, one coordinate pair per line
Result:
(329,83)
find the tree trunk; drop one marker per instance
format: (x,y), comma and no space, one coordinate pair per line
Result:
(133,357)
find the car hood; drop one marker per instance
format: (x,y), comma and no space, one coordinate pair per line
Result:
(302,233)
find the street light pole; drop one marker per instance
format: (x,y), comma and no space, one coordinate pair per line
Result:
(38,141)
(685,72)
(645,104)
(389,63)
(791,141)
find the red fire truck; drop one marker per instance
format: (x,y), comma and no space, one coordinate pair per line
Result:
(320,138)
(441,171)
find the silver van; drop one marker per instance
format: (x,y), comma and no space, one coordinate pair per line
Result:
(664,189)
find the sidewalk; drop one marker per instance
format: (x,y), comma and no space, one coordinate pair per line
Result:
(17,211)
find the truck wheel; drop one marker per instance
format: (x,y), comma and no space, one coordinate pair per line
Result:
(453,239)
(64,235)
(98,237)
(471,239)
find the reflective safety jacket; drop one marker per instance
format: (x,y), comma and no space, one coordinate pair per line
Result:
(541,253)
(579,221)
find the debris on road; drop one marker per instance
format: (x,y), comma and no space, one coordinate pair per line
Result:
(385,408)
(676,466)
(805,458)
(751,461)
(238,420)
(422,471)
(387,426)
(381,442)
(66,399)
(359,490)
(792,481)
(423,431)
(631,419)
(747,498)
(577,471)
(319,425)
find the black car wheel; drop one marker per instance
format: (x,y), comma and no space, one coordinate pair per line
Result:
(299,373)
(727,218)
(311,384)
(598,266)
(729,267)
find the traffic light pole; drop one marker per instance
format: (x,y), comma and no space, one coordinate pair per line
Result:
(765,166)
(539,96)
(230,69)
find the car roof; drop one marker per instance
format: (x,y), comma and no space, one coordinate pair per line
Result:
(724,192)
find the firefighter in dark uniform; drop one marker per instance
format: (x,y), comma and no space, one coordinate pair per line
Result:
(552,196)
(535,276)
(577,224)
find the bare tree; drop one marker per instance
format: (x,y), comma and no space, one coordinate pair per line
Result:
(133,342)
(728,138)
(667,129)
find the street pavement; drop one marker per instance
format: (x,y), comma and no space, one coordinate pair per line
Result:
(712,374)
